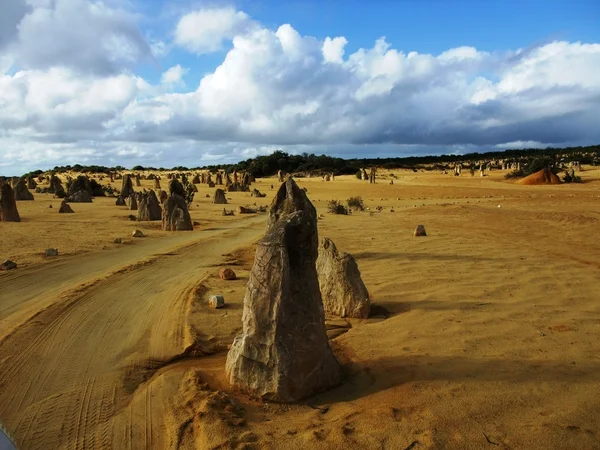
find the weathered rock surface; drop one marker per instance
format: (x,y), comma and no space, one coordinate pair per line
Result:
(216,301)
(31,184)
(133,205)
(257,193)
(80,197)
(176,188)
(175,216)
(149,207)
(343,291)
(283,353)
(8,265)
(51,252)
(56,187)
(227,274)
(137,234)
(80,190)
(21,191)
(127,187)
(8,205)
(120,201)
(219,197)
(420,231)
(65,208)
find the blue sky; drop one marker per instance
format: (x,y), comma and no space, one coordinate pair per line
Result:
(195,82)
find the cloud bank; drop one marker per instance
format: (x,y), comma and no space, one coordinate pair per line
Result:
(78,97)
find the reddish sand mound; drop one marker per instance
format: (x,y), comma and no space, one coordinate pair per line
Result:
(544,176)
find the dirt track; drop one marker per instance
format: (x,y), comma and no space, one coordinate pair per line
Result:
(81,326)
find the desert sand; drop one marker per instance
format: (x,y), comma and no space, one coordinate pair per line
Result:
(484,334)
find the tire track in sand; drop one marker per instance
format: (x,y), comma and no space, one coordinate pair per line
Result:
(61,370)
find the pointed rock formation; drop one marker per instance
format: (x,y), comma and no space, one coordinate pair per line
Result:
(133,206)
(283,353)
(138,182)
(175,216)
(343,291)
(80,190)
(176,188)
(219,197)
(65,208)
(149,207)
(8,205)
(127,187)
(56,187)
(420,231)
(163,197)
(257,193)
(196,179)
(120,201)
(21,191)
(156,183)
(31,184)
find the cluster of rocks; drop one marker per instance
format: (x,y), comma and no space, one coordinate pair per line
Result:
(283,353)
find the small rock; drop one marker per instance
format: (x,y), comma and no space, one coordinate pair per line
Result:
(196,224)
(51,252)
(227,274)
(49,206)
(420,231)
(216,301)
(137,233)
(132,217)
(8,265)
(117,240)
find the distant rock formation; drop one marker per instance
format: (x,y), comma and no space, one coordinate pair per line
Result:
(65,208)
(149,207)
(175,215)
(127,187)
(219,197)
(80,190)
(343,291)
(283,353)
(8,205)
(544,176)
(21,191)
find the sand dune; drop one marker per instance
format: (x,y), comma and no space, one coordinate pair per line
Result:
(484,334)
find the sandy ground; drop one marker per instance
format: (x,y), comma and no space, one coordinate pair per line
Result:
(484,334)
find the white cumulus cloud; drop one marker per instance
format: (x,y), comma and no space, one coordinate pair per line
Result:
(205,30)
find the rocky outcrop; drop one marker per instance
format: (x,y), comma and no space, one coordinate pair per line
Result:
(420,231)
(127,187)
(8,205)
(219,197)
(176,188)
(31,184)
(343,291)
(175,216)
(156,183)
(163,197)
(257,193)
(149,207)
(80,190)
(283,353)
(120,201)
(65,208)
(237,187)
(227,274)
(133,206)
(21,191)
(56,187)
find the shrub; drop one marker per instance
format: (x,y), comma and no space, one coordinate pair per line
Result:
(356,203)
(359,174)
(336,207)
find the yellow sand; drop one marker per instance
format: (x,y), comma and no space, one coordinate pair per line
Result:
(491,340)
